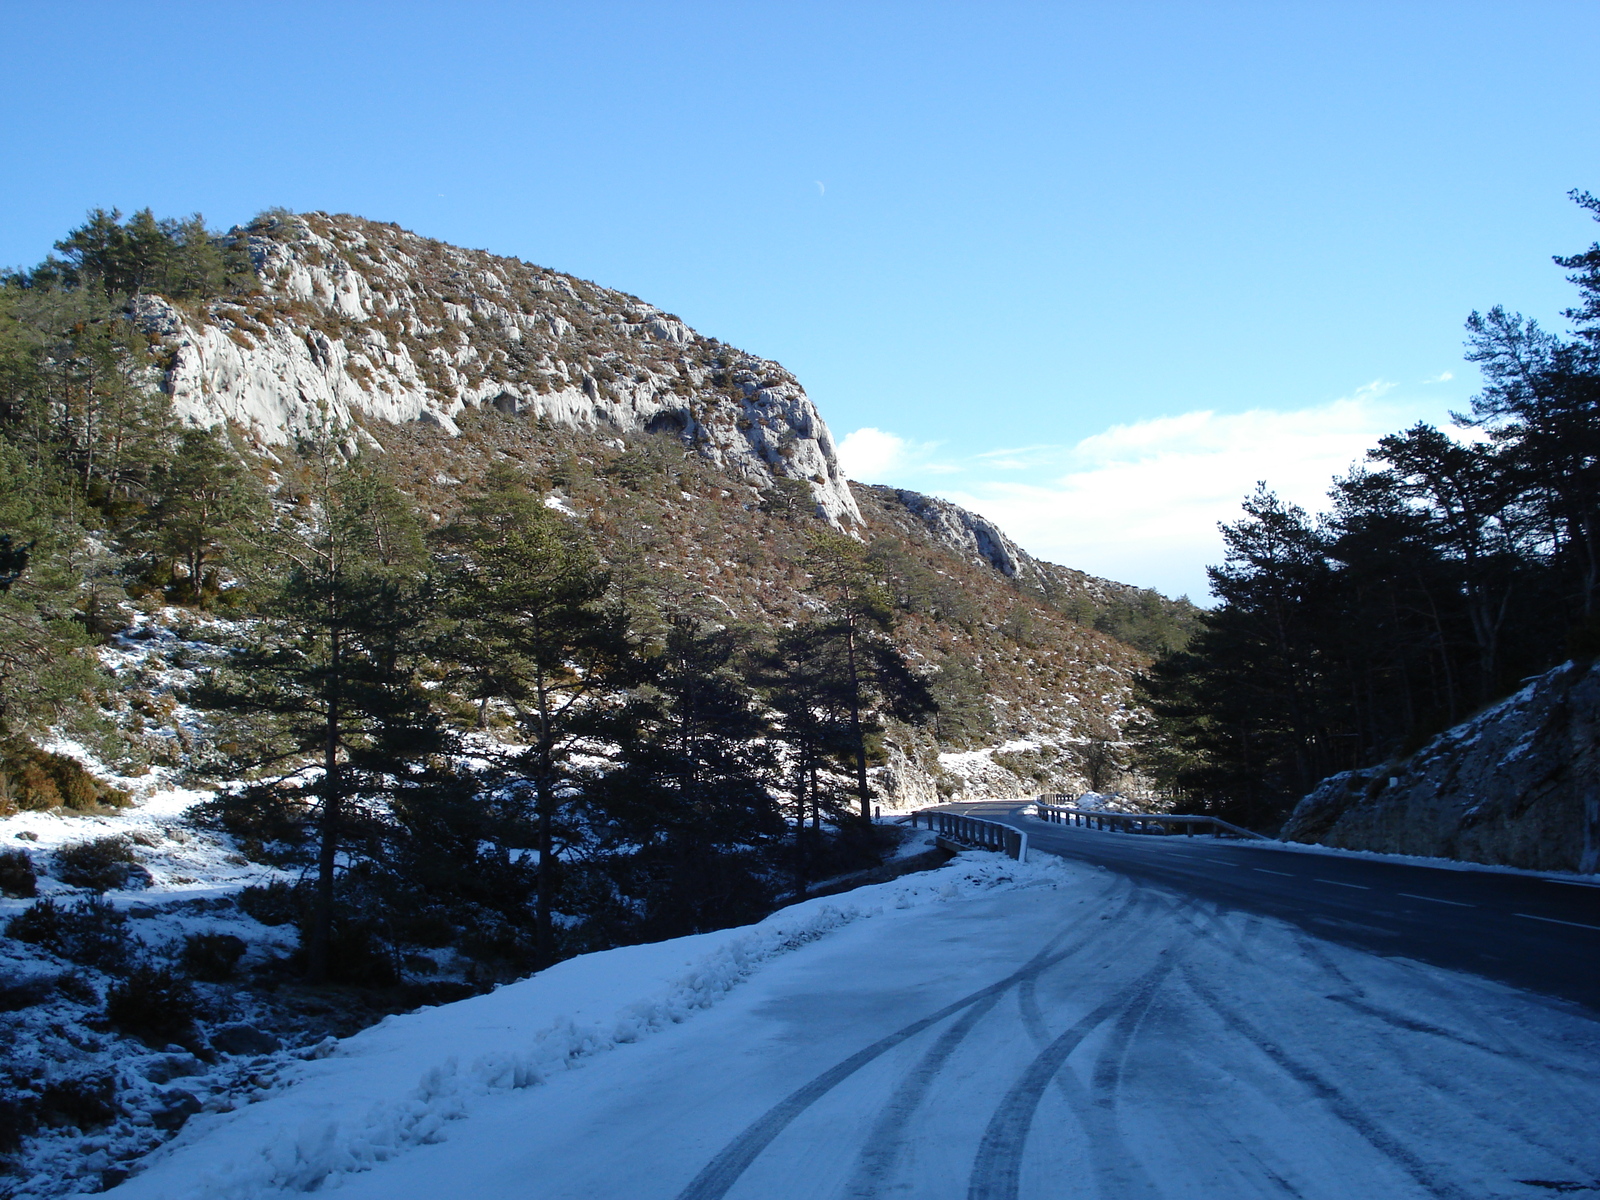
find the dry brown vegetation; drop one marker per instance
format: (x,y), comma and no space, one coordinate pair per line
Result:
(671,524)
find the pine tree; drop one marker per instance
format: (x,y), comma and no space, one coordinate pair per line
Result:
(689,795)
(529,628)
(1245,704)
(329,682)
(962,716)
(45,665)
(205,502)
(875,679)
(179,259)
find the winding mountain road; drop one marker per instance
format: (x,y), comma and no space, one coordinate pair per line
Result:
(1174,1018)
(1141,1018)
(1535,932)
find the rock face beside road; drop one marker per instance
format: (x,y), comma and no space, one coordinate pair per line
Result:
(1517,785)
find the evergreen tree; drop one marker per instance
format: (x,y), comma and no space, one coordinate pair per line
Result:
(688,796)
(46,669)
(1246,700)
(179,259)
(799,680)
(872,675)
(329,682)
(1468,501)
(962,715)
(529,628)
(205,504)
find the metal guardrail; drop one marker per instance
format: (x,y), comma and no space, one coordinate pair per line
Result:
(976,832)
(1157,823)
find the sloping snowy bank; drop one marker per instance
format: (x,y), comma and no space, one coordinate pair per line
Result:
(400,1083)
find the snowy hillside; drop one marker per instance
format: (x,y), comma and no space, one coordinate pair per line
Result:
(250,1044)
(986,1030)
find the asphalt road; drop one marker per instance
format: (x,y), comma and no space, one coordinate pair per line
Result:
(1534,932)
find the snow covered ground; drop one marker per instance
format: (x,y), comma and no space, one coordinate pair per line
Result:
(986,1030)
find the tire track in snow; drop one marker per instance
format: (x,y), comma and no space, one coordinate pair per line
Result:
(1449,1083)
(1237,943)
(997,1169)
(1354,997)
(1343,1107)
(1117,1171)
(1511,1035)
(886,1144)
(722,1172)
(1445,1085)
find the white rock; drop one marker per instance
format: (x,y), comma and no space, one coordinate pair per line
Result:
(404,330)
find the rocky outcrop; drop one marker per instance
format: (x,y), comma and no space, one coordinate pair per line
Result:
(969,535)
(359,319)
(917,776)
(1518,785)
(981,542)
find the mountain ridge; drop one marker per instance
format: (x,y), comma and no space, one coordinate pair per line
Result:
(460,358)
(275,361)
(357,316)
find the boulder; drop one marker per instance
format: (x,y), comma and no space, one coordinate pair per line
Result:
(243,1039)
(174,1107)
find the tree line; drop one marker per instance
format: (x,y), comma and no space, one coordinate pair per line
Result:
(1450,566)
(473,735)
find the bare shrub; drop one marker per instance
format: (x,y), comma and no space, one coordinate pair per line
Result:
(99,864)
(17,876)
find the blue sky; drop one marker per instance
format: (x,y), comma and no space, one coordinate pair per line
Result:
(1091,268)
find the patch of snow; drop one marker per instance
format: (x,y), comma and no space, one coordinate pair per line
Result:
(399,1084)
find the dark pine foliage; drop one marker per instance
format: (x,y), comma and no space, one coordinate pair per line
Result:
(1448,570)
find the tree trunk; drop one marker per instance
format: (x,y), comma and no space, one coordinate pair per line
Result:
(327,852)
(862,789)
(544,927)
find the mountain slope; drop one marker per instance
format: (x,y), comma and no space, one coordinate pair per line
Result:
(699,468)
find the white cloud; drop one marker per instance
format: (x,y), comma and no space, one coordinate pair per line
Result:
(873,456)
(1140,502)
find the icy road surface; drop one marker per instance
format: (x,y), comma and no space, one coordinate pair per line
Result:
(1067,1031)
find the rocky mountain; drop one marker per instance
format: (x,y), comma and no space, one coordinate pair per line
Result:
(697,467)
(355,317)
(1517,785)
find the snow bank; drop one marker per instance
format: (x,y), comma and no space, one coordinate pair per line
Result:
(400,1083)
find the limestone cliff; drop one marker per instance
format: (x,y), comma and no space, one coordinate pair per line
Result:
(357,318)
(1517,785)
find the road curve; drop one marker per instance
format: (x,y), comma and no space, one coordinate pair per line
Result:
(1536,932)
(1106,1031)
